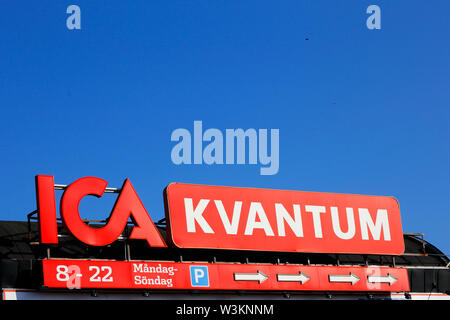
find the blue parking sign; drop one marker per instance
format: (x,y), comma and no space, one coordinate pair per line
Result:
(199,276)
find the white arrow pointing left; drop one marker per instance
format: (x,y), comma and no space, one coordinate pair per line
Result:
(260,277)
(382,279)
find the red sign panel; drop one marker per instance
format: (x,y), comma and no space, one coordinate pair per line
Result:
(219,276)
(275,220)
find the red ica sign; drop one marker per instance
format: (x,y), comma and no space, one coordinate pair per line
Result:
(127,205)
(275,220)
(219,276)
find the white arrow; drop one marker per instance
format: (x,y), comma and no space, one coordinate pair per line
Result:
(260,277)
(353,278)
(301,277)
(382,279)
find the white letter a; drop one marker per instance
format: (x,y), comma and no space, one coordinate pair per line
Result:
(74,20)
(374,21)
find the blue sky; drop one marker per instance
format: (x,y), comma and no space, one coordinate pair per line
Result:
(359,111)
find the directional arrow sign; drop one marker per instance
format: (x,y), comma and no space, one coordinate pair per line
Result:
(260,277)
(301,277)
(221,276)
(382,279)
(352,278)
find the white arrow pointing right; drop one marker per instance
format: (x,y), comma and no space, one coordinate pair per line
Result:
(352,278)
(298,277)
(260,277)
(382,279)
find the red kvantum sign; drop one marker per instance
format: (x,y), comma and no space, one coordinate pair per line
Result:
(219,276)
(216,217)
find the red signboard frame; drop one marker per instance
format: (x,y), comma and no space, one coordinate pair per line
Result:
(202,216)
(62,273)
